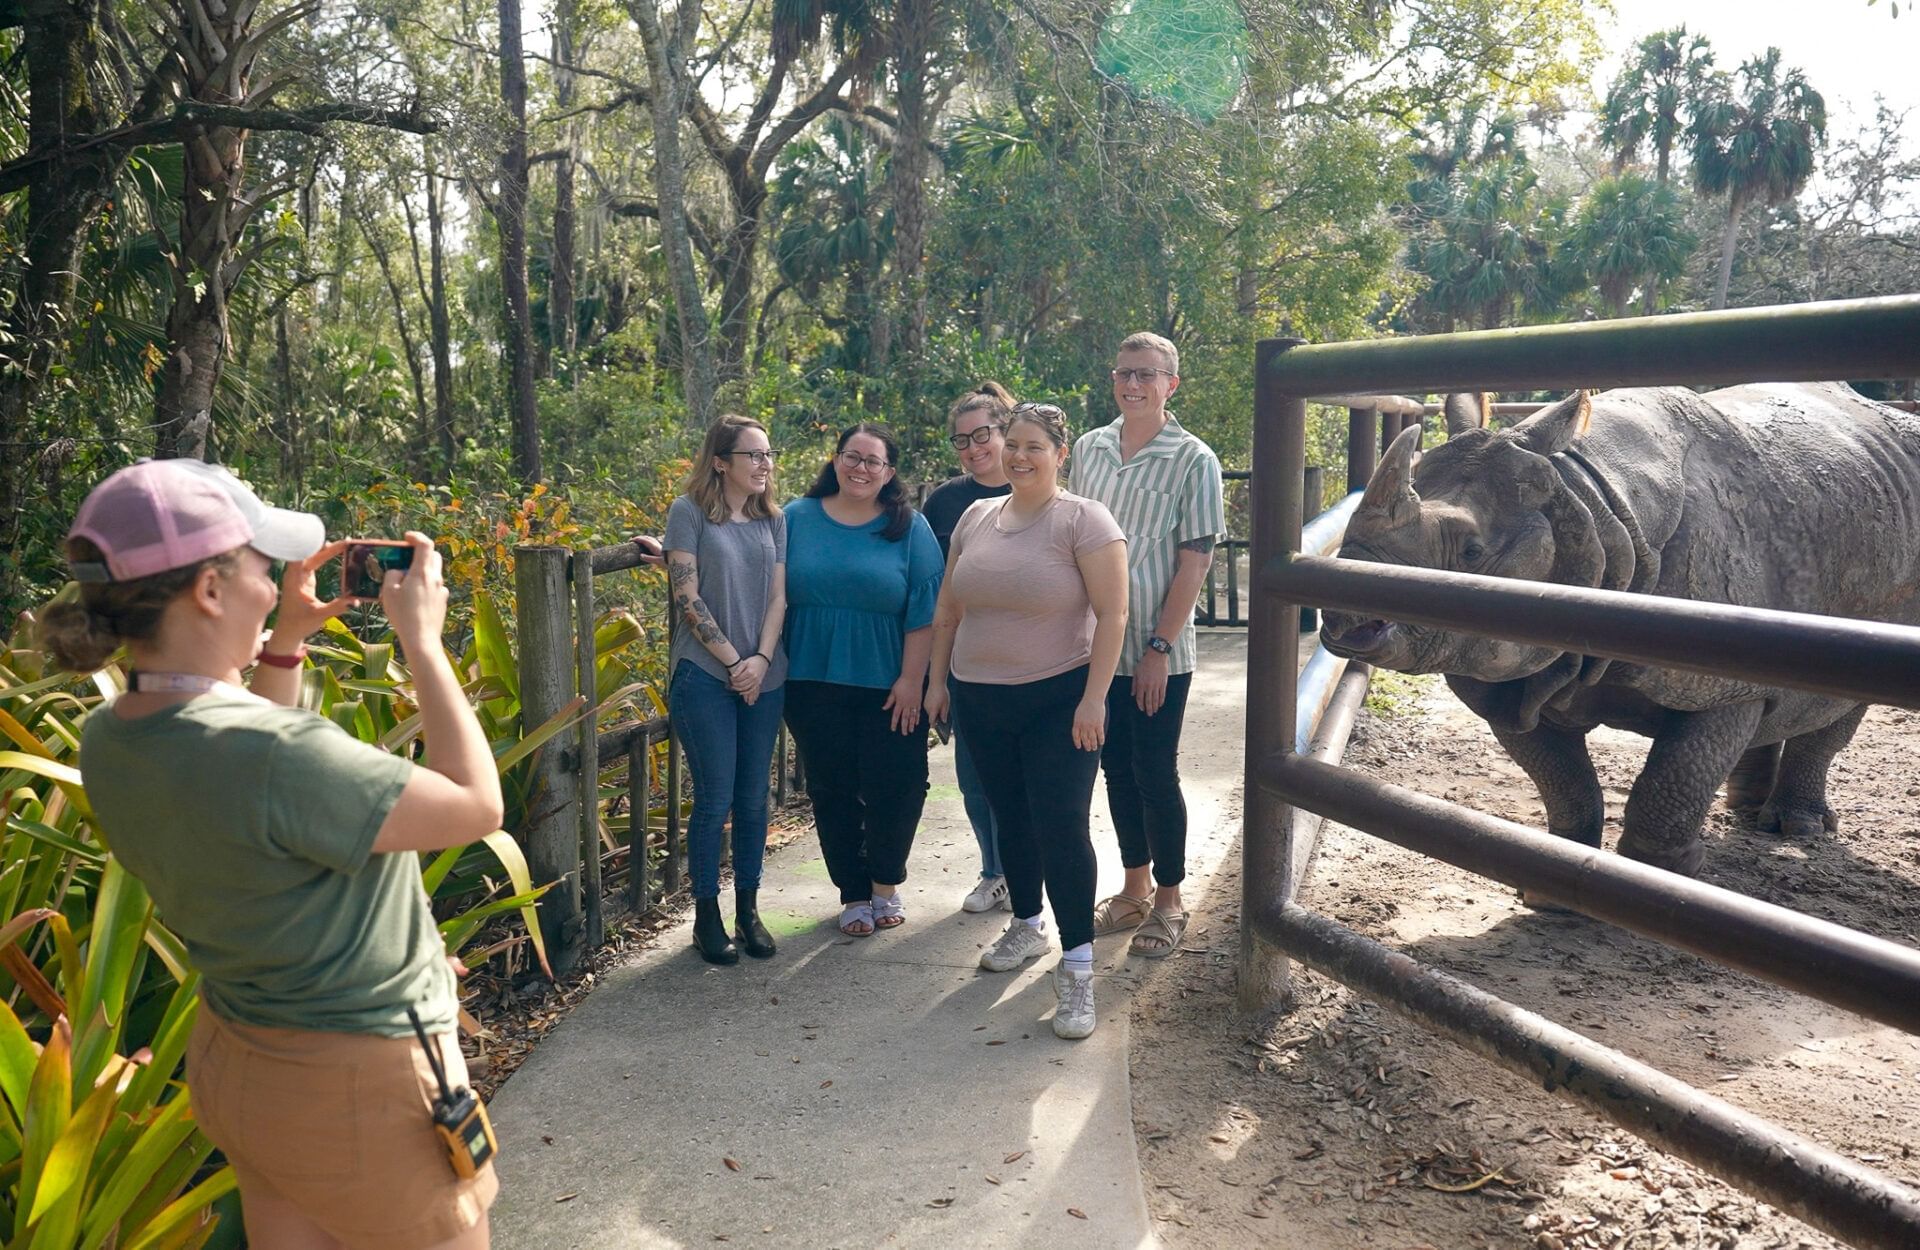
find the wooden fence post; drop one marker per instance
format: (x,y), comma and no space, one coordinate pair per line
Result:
(587,738)
(551,832)
(639,799)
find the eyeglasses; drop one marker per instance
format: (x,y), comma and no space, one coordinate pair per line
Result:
(757,456)
(981,436)
(1140,375)
(872,464)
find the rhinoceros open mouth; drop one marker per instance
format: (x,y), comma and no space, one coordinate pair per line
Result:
(1363,639)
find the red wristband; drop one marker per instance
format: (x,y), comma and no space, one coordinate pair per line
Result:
(295,660)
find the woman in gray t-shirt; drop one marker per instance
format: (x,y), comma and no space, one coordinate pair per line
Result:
(726,550)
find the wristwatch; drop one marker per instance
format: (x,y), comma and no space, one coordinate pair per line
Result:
(1156,643)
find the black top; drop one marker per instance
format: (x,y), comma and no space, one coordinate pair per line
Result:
(953,497)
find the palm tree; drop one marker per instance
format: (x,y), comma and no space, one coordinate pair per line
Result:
(1760,146)
(1487,245)
(833,226)
(1630,232)
(1667,78)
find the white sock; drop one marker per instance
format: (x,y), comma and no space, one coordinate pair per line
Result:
(1035,921)
(1080,958)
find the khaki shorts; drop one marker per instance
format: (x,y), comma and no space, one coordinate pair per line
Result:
(340,1125)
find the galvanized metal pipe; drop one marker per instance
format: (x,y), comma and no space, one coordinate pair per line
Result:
(1871,976)
(1799,1176)
(1866,661)
(1396,404)
(1867,338)
(1329,746)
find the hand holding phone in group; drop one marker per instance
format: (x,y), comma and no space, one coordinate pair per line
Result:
(366,562)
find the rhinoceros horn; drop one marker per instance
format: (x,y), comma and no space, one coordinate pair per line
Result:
(1466,412)
(1390,496)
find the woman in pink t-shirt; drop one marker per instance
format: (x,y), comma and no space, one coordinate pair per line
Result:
(1027,634)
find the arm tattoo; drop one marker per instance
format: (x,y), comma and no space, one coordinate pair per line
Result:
(1203,544)
(705,628)
(681,572)
(685,576)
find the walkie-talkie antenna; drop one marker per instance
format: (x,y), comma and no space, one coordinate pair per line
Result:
(433,1059)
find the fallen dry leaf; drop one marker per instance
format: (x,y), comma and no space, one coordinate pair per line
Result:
(992,1179)
(941,1203)
(996,1042)
(825,1084)
(733,1165)
(1076,1213)
(568,1197)
(1015,1157)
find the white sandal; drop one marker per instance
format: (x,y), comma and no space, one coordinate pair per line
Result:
(857,913)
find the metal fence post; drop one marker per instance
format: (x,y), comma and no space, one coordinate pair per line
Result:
(587,734)
(551,832)
(1263,977)
(1363,448)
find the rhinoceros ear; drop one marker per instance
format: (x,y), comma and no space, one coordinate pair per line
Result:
(1466,412)
(1390,492)
(1554,429)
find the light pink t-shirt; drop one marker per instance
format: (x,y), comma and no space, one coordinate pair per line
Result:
(1026,614)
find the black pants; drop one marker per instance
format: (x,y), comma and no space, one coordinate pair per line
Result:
(1142,762)
(868,783)
(1040,786)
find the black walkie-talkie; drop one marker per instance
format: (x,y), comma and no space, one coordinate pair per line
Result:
(459,1117)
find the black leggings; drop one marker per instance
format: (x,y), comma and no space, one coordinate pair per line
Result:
(1040,786)
(868,784)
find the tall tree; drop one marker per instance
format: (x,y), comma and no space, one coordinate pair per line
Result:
(567,46)
(511,215)
(1653,100)
(1760,144)
(1628,234)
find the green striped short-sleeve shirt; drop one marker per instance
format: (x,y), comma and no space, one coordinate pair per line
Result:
(1167,494)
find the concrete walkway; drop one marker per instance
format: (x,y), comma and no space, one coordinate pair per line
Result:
(849,1092)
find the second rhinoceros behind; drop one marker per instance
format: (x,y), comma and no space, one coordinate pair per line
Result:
(1804,498)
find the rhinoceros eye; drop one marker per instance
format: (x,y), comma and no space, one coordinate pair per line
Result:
(1472,552)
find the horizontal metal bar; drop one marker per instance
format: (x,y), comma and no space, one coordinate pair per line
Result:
(1856,971)
(1236,475)
(1868,338)
(1801,1177)
(1869,661)
(1396,405)
(615,558)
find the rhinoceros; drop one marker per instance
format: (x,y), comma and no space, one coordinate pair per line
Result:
(1805,498)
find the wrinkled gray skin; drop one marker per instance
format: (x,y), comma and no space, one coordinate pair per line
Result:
(1804,498)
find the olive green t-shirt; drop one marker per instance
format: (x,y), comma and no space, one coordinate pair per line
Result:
(252,827)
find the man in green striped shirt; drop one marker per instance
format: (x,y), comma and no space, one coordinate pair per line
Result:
(1163,485)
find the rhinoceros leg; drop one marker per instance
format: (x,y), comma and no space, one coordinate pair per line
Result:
(1557,761)
(1692,754)
(1798,807)
(1751,782)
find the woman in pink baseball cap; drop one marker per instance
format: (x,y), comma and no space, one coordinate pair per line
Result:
(272,842)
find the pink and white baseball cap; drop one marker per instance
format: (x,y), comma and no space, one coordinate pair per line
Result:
(156,515)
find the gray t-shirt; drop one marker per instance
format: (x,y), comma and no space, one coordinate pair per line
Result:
(736,562)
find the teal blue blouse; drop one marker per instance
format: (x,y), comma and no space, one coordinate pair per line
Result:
(852,596)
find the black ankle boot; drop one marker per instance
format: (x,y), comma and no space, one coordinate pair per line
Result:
(750,933)
(710,933)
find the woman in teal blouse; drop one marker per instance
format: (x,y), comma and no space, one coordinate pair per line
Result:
(863,574)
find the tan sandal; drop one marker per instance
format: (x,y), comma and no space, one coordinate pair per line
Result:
(1159,935)
(1120,913)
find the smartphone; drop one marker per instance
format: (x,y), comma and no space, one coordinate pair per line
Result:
(364,565)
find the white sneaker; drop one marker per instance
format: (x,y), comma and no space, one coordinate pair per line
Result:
(1018,944)
(1073,1018)
(989,894)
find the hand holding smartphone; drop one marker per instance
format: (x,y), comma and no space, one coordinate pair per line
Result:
(365,563)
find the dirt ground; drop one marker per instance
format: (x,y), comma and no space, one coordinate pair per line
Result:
(1346,1125)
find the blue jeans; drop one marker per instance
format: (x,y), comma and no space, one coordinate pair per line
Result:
(729,747)
(973,796)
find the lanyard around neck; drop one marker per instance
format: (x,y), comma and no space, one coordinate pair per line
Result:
(184,683)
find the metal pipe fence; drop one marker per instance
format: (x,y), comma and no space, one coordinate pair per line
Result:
(1289,793)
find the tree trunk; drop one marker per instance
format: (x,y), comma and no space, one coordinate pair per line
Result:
(512,218)
(440,324)
(907,169)
(560,301)
(417,448)
(664,61)
(1728,241)
(292,466)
